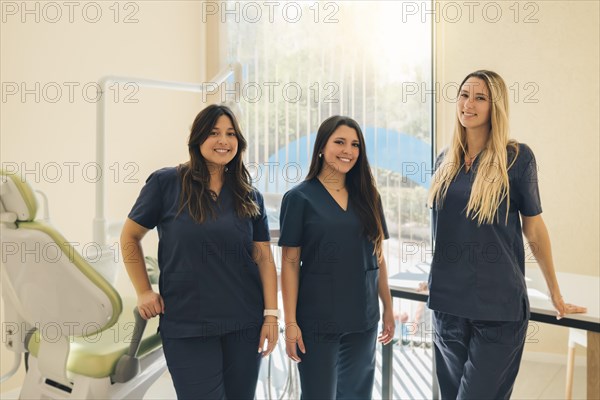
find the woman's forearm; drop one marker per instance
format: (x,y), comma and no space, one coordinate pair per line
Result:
(538,238)
(268,274)
(384,288)
(290,277)
(133,258)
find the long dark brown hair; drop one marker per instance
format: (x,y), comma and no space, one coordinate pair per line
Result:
(359,180)
(195,176)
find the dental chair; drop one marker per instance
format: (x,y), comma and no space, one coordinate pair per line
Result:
(80,338)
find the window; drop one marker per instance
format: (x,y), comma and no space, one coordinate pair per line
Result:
(307,61)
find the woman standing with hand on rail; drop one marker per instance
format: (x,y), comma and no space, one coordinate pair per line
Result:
(483,187)
(332,232)
(218,284)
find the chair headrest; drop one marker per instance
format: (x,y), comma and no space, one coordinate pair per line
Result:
(17,197)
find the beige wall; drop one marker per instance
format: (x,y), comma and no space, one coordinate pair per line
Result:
(168,42)
(559,57)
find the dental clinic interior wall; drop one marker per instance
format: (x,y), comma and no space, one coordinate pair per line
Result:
(554,61)
(548,53)
(48,125)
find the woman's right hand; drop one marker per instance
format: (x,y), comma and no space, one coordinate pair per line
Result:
(150,304)
(293,341)
(563,308)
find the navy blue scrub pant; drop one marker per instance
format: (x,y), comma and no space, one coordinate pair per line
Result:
(477,359)
(338,366)
(214,367)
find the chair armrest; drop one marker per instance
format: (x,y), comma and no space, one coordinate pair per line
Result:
(128,365)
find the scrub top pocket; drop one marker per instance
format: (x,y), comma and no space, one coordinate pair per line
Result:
(181,292)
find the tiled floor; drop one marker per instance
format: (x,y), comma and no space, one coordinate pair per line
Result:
(547,381)
(535,381)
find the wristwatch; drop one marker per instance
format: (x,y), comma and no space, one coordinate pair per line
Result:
(273,313)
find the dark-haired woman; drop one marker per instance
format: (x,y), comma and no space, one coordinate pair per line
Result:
(218,285)
(333,270)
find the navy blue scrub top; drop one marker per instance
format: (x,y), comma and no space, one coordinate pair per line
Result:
(208,280)
(338,287)
(478,272)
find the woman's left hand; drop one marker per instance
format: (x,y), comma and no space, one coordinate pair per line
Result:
(269,332)
(563,308)
(389,326)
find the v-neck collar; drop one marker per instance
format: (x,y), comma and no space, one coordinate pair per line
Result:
(474,165)
(332,198)
(219,198)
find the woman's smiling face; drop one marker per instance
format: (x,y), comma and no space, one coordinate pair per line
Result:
(342,149)
(474,104)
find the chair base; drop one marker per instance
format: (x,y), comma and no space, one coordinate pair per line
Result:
(35,385)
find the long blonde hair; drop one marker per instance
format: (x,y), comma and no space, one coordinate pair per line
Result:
(491,185)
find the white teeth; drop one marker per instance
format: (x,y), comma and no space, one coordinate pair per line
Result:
(221,150)
(468,114)
(344,159)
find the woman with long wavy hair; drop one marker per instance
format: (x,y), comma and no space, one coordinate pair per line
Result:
(484,196)
(333,269)
(218,284)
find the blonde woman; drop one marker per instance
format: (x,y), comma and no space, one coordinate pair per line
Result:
(484,188)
